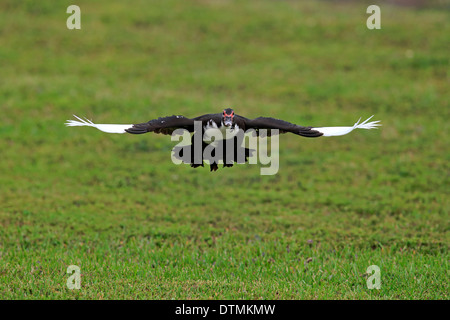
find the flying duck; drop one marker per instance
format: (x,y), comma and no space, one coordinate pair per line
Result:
(226,122)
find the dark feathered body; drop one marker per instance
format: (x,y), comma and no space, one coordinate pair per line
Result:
(179,153)
(167,125)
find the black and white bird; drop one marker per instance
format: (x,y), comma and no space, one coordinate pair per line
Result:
(227,121)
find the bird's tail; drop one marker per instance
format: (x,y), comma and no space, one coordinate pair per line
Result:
(109,128)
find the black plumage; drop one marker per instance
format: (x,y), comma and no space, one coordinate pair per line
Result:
(227,122)
(167,125)
(228,156)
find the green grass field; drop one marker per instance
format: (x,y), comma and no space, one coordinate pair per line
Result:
(140,227)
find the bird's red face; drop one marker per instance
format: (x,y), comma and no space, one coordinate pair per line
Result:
(228,117)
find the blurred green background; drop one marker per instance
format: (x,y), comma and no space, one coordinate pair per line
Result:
(140,227)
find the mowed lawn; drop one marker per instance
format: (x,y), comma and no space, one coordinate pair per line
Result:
(140,227)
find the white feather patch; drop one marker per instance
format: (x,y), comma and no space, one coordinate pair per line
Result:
(340,131)
(109,128)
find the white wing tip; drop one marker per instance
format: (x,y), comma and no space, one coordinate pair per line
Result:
(109,128)
(79,122)
(340,131)
(367,125)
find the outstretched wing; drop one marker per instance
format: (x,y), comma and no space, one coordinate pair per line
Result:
(165,125)
(283,126)
(311,132)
